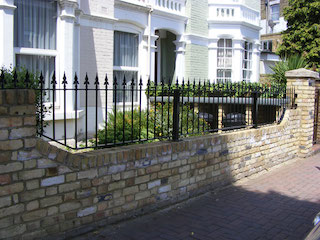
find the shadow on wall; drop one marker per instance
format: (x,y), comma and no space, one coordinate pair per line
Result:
(234,213)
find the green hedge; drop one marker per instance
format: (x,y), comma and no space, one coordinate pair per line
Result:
(238,89)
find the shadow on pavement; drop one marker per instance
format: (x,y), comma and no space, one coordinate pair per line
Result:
(233,213)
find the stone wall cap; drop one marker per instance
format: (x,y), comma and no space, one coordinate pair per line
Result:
(302,73)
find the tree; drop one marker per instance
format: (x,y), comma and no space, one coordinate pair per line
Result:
(303,31)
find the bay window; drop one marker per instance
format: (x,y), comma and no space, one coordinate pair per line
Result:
(35,24)
(224,60)
(247,62)
(125,65)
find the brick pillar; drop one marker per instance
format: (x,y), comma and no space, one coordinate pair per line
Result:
(17,126)
(303,82)
(248,114)
(318,133)
(220,116)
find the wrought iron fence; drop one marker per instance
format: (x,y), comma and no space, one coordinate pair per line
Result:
(110,113)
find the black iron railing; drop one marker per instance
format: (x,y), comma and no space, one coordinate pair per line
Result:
(79,115)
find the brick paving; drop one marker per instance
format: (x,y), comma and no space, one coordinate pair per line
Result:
(279,204)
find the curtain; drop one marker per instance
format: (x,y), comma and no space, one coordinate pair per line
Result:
(130,75)
(38,64)
(125,49)
(35,24)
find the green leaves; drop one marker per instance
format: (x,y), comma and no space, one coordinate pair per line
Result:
(291,63)
(303,32)
(229,89)
(151,125)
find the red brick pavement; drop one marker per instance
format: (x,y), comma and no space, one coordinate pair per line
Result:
(279,204)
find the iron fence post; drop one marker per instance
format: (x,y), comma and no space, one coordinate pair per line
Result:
(176,112)
(255,109)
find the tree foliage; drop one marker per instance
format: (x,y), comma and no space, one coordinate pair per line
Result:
(303,31)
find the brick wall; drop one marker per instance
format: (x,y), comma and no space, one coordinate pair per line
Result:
(96,54)
(98,7)
(304,83)
(45,190)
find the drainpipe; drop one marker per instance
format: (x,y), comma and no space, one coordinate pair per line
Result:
(149,41)
(267,15)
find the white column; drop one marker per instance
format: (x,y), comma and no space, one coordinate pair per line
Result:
(237,60)
(66,33)
(255,62)
(147,69)
(153,55)
(6,33)
(212,68)
(180,58)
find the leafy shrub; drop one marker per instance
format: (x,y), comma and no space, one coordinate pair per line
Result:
(161,120)
(130,122)
(290,63)
(155,123)
(228,89)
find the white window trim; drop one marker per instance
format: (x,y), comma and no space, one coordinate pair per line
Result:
(35,51)
(134,30)
(124,68)
(268,43)
(47,53)
(270,10)
(250,61)
(225,57)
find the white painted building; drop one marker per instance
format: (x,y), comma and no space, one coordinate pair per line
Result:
(272,24)
(156,39)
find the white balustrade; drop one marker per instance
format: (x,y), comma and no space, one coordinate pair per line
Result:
(234,12)
(172,6)
(225,12)
(250,15)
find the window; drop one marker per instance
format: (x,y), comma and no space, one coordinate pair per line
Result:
(224,60)
(247,62)
(266,46)
(125,64)
(275,12)
(35,28)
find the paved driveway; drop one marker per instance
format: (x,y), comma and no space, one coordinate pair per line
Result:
(280,204)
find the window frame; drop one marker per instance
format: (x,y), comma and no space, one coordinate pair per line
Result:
(268,43)
(41,52)
(224,69)
(128,68)
(247,60)
(272,13)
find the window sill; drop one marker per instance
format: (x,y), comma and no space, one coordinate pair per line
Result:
(70,115)
(36,51)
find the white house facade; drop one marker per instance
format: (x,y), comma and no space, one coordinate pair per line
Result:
(152,39)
